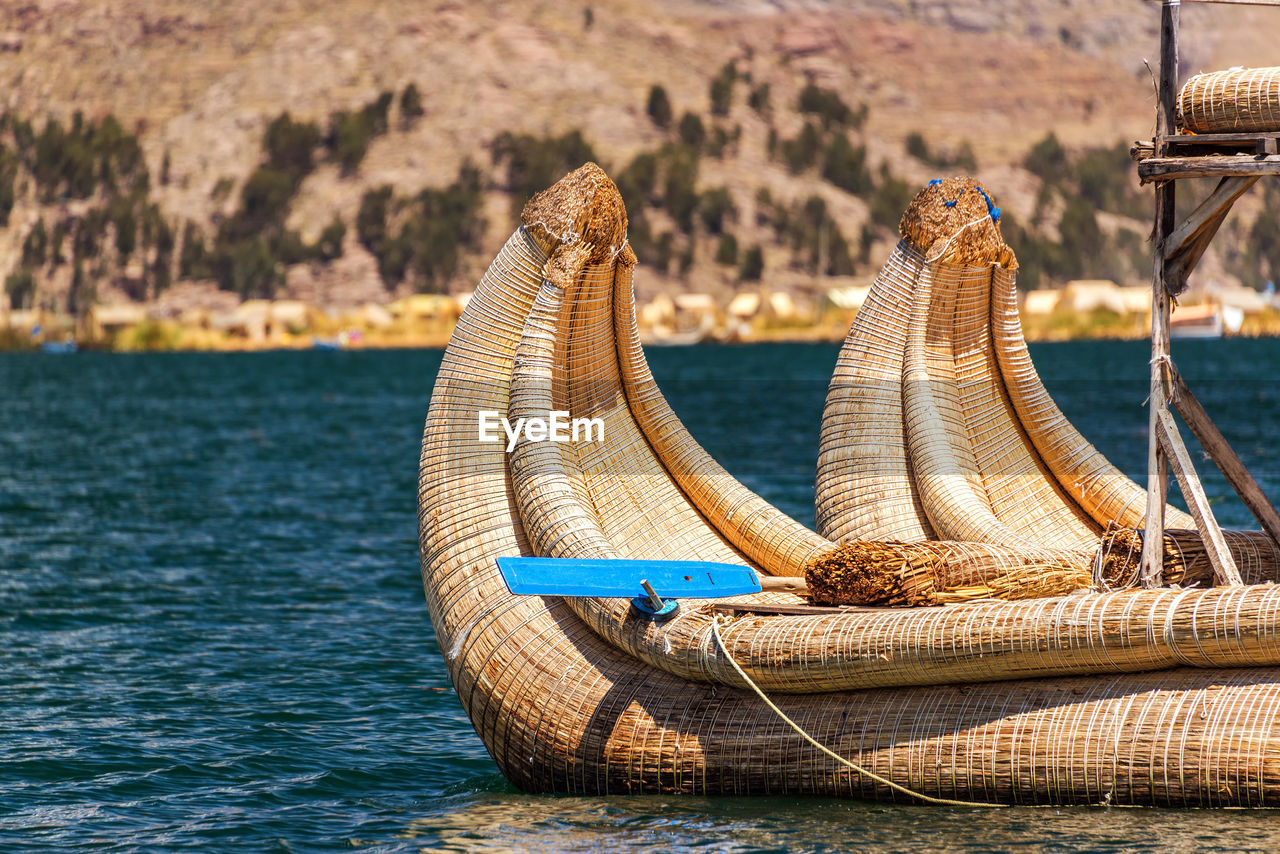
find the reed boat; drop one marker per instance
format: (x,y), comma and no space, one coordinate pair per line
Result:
(1164,696)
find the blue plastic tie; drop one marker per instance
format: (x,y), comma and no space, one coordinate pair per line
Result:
(951,204)
(991,208)
(935,181)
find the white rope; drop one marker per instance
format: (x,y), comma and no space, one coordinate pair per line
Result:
(1164,360)
(625,239)
(715,629)
(959,231)
(569,238)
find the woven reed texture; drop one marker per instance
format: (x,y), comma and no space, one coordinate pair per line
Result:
(772,540)
(1083,473)
(1240,100)
(979,479)
(1014,476)
(988,455)
(566,514)
(864,488)
(561,710)
(942,460)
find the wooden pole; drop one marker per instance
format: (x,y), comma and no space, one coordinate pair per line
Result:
(784,583)
(1225,571)
(1151,571)
(1231,466)
(1184,247)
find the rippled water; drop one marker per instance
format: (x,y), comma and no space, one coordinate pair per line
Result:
(214,633)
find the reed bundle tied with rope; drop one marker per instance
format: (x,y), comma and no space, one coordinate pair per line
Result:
(954,221)
(863,572)
(1239,100)
(1185,561)
(870,573)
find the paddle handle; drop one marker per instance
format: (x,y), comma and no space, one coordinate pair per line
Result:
(784,583)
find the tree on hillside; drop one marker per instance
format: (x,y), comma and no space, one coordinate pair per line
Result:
(1083,243)
(21,288)
(349,134)
(752,264)
(727,250)
(1046,159)
(722,89)
(691,131)
(758,100)
(8,176)
(535,163)
(411,108)
(329,245)
(716,207)
(36,245)
(290,146)
(846,166)
(829,107)
(659,107)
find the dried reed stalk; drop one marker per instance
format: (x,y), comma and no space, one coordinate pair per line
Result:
(864,488)
(870,573)
(1074,465)
(910,574)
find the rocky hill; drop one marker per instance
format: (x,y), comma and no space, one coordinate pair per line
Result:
(502,88)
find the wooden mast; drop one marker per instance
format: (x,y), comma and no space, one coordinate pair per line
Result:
(1151,574)
(1177,249)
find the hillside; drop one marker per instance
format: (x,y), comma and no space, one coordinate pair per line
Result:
(200,86)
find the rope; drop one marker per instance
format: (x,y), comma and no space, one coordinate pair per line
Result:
(943,251)
(715,629)
(1165,362)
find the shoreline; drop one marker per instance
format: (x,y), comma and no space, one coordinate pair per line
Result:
(317,331)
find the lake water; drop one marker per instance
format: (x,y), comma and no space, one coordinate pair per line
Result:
(213,634)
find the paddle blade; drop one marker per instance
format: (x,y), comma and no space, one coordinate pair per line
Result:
(676,579)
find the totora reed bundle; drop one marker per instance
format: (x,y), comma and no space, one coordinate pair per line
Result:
(934,573)
(1185,560)
(954,221)
(1239,100)
(866,573)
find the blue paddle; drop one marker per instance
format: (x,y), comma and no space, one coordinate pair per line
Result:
(645,582)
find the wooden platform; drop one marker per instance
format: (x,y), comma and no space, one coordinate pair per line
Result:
(1173,167)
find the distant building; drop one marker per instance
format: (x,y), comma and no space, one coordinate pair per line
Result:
(1040,302)
(426,307)
(1086,295)
(106,320)
(22,320)
(851,297)
(659,313)
(1247,300)
(375,316)
(1136,298)
(744,306)
(260,319)
(782,306)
